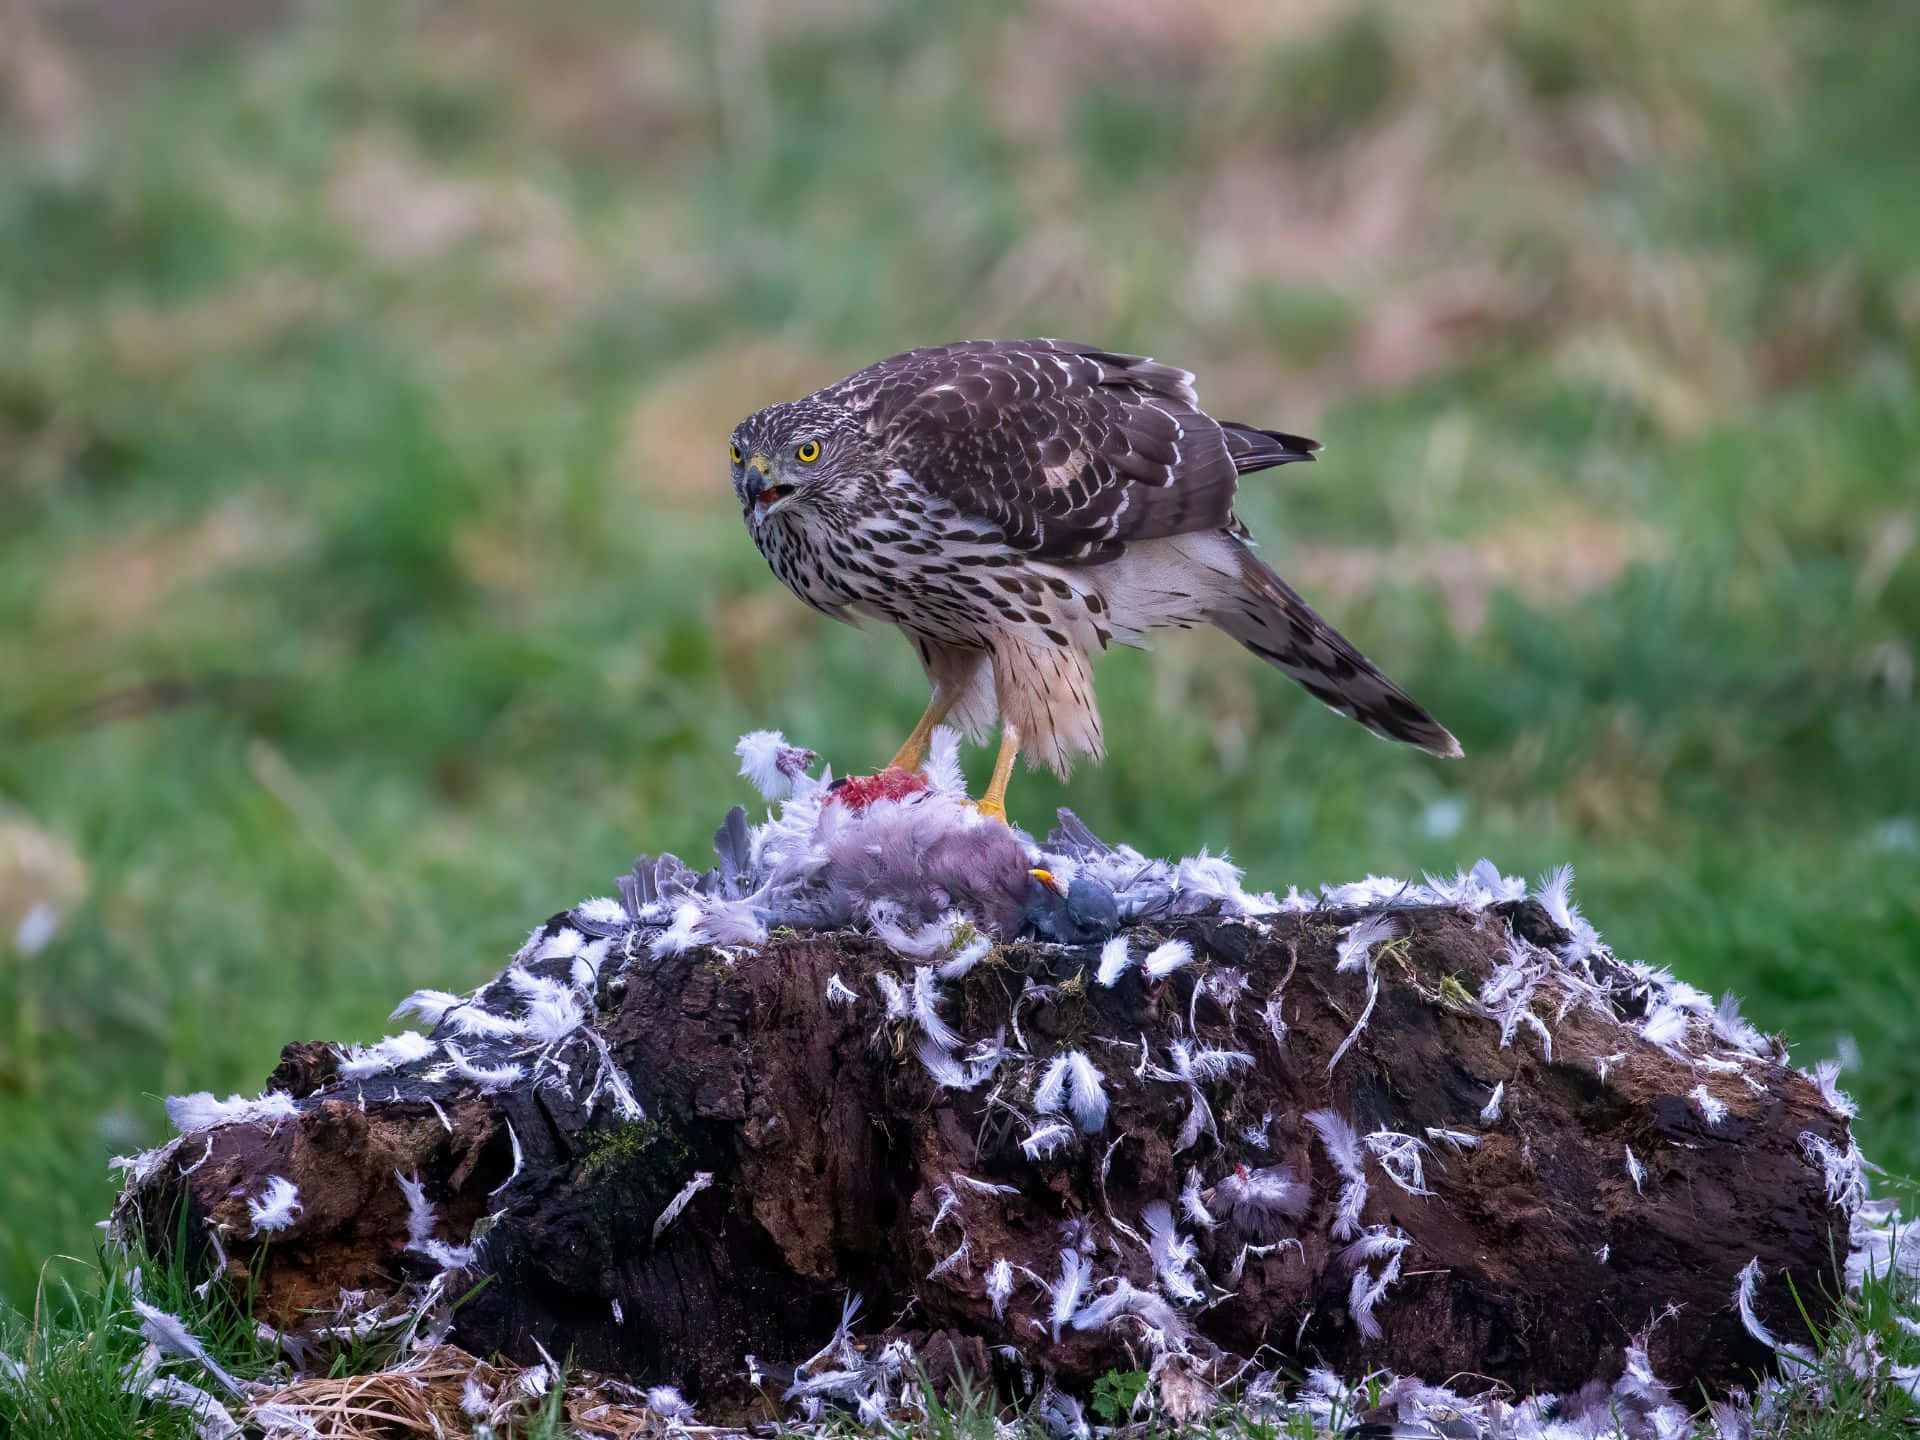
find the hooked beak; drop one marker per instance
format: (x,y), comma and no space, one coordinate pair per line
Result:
(767,498)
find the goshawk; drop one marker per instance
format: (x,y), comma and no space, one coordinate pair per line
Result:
(1016,505)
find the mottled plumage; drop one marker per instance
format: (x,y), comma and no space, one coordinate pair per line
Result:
(1016,506)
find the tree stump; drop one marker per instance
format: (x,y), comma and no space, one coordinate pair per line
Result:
(1448,1139)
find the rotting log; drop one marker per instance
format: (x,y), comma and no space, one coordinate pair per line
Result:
(1617,1182)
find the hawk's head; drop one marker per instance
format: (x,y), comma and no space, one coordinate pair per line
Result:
(794,454)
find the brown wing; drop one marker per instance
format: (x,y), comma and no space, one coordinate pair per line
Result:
(1071,451)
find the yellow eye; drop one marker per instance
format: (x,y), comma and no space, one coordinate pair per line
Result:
(808,452)
(733,453)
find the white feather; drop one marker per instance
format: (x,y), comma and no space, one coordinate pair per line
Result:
(926,1010)
(519,1159)
(144,1166)
(585,970)
(430,1005)
(700,1181)
(1172,1252)
(771,764)
(681,935)
(476,1400)
(601,910)
(1402,1157)
(1276,1022)
(277,1208)
(1356,947)
(1258,1200)
(1554,895)
(362,1062)
(473,1020)
(947,1072)
(949,1205)
(1366,1291)
(731,922)
(1068,1289)
(1043,1140)
(1191,1203)
(965,958)
(1114,956)
(839,992)
(985,1187)
(1635,1171)
(487,1077)
(1734,1030)
(613,1079)
(1208,1062)
(211,1420)
(1490,1112)
(893,994)
(1366,1014)
(986,1056)
(552,1018)
(1125,1299)
(1051,1093)
(420,1216)
(1847,1186)
(1088,1096)
(666,1402)
(942,769)
(1342,1142)
(1378,1240)
(563,944)
(999,1287)
(1343,1148)
(1239,1266)
(1826,1074)
(170,1334)
(529,986)
(923,943)
(420,1226)
(960,1255)
(201,1111)
(448,1257)
(1749,1282)
(1164,959)
(1199,1121)
(1666,1026)
(1712,1108)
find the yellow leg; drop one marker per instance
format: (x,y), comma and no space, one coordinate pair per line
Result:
(909,755)
(993,804)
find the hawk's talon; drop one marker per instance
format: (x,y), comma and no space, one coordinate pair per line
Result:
(910,754)
(907,758)
(993,804)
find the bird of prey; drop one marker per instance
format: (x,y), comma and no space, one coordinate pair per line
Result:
(1015,506)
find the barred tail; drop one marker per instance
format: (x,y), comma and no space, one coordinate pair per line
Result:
(1270,619)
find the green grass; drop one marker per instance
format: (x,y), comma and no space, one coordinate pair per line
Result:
(370,586)
(72,1351)
(70,1387)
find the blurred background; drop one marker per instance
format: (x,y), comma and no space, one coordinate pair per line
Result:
(371,585)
